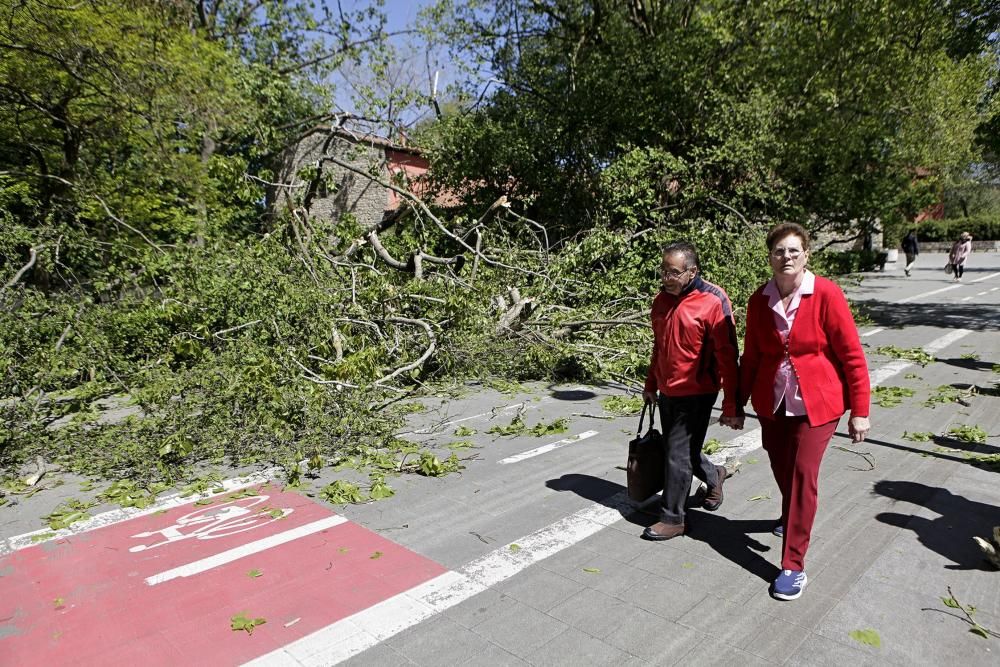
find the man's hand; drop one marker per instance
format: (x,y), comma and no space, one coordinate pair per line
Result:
(649,397)
(858,428)
(732,422)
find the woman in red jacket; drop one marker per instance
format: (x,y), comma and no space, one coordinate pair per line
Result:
(802,368)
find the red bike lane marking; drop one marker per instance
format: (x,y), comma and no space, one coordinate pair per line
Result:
(85,599)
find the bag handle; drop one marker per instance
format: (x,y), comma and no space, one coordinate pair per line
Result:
(642,416)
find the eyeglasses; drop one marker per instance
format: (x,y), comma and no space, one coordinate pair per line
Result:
(673,274)
(793,253)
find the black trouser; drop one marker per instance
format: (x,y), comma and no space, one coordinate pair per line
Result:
(684,420)
(959,270)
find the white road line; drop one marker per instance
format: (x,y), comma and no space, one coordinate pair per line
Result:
(967,298)
(108,518)
(244,550)
(436,427)
(872,332)
(979,280)
(983,293)
(931,293)
(352,635)
(995,289)
(547,448)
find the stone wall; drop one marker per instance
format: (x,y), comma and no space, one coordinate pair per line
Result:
(342,191)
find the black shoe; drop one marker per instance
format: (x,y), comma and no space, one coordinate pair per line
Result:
(713,499)
(663,531)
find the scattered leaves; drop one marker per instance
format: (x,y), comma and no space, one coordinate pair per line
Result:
(914,354)
(560,425)
(918,436)
(712,446)
(340,492)
(966,433)
(622,405)
(243,622)
(868,637)
(516,427)
(464,432)
(890,397)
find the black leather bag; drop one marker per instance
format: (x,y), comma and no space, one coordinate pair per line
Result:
(645,459)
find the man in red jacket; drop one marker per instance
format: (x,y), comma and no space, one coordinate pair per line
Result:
(694,354)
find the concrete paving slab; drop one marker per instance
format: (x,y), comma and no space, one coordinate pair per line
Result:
(574,647)
(520,629)
(438,641)
(540,588)
(647,636)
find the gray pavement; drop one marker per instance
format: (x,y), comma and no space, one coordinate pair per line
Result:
(887,545)
(894,529)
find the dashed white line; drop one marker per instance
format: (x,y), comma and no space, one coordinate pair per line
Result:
(931,293)
(547,448)
(244,550)
(979,280)
(967,298)
(872,332)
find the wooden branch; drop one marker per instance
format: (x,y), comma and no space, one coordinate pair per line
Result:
(32,257)
(218,334)
(431,346)
(513,314)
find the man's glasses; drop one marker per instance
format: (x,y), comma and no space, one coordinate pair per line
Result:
(672,273)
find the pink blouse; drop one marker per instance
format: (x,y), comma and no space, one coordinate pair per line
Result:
(786,383)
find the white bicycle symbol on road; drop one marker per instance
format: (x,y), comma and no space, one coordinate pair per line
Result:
(229,518)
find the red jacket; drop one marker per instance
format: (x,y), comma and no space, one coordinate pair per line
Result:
(825,352)
(694,345)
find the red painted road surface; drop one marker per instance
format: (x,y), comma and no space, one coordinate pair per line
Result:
(88,600)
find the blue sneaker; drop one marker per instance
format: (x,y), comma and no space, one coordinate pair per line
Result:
(779,528)
(789,585)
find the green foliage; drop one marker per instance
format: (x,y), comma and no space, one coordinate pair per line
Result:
(516,427)
(868,636)
(622,405)
(340,492)
(68,513)
(464,431)
(965,433)
(431,466)
(890,397)
(711,446)
(914,354)
(560,425)
(982,227)
(944,394)
(918,436)
(242,622)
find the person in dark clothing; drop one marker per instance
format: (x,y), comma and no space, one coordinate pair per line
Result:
(695,353)
(911,249)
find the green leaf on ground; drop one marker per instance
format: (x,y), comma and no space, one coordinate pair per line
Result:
(243,622)
(868,637)
(687,566)
(516,427)
(918,436)
(592,570)
(762,496)
(460,444)
(58,602)
(890,397)
(951,602)
(379,489)
(980,630)
(340,492)
(560,425)
(622,405)
(253,574)
(376,555)
(515,547)
(914,354)
(41,537)
(464,432)
(970,355)
(965,433)
(712,446)
(751,461)
(912,376)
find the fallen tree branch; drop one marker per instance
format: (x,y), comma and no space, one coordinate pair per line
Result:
(431,346)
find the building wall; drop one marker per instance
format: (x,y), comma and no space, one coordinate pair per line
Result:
(348,192)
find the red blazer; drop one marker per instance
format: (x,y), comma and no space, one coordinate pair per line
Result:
(825,351)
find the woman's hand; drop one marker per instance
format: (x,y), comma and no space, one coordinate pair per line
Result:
(732,422)
(858,428)
(649,397)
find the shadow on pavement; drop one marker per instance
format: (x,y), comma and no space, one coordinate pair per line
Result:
(950,533)
(967,363)
(971,315)
(729,538)
(943,441)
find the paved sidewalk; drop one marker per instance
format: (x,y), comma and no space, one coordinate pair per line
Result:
(532,556)
(887,545)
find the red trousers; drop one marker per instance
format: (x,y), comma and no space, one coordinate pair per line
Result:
(796,450)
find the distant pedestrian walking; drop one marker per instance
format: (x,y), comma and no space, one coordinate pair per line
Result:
(911,249)
(959,253)
(695,353)
(803,366)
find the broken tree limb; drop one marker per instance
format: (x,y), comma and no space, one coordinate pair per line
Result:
(32,257)
(513,315)
(431,346)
